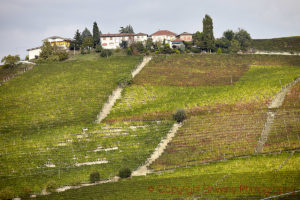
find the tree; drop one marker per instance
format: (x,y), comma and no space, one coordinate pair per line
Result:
(85,33)
(244,38)
(76,43)
(222,43)
(229,35)
(198,39)
(127,29)
(124,44)
(208,35)
(234,46)
(149,44)
(77,40)
(47,50)
(11,61)
(88,42)
(96,35)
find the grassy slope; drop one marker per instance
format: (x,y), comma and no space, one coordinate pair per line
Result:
(125,189)
(206,140)
(258,85)
(287,44)
(212,181)
(42,116)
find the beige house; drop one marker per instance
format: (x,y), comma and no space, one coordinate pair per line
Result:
(161,35)
(187,37)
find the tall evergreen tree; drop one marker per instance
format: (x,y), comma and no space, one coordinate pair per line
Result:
(85,33)
(127,29)
(96,34)
(77,40)
(208,34)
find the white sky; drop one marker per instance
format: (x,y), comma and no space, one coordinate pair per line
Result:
(24,23)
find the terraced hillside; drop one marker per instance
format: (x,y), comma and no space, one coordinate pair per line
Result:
(213,155)
(48,131)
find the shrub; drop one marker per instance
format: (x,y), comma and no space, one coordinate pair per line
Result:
(51,186)
(53,58)
(125,80)
(11,61)
(6,194)
(94,176)
(129,52)
(106,53)
(98,48)
(180,115)
(82,51)
(195,50)
(219,51)
(62,55)
(124,172)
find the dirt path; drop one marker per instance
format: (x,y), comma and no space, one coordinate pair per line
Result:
(276,103)
(118,91)
(143,170)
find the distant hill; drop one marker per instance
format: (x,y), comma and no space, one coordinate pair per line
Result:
(287,44)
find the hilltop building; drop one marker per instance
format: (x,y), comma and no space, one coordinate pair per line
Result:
(64,43)
(113,41)
(161,35)
(59,41)
(187,37)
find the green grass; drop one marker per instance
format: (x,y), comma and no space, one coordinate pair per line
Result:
(255,88)
(45,110)
(285,133)
(42,116)
(60,94)
(265,172)
(288,44)
(212,137)
(65,147)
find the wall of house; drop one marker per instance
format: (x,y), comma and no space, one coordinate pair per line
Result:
(33,53)
(59,42)
(140,38)
(114,42)
(161,38)
(186,38)
(110,42)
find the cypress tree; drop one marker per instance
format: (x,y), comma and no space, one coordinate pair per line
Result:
(77,40)
(96,34)
(208,35)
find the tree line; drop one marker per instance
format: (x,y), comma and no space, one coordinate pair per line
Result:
(230,42)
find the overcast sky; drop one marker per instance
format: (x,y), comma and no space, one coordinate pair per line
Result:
(24,23)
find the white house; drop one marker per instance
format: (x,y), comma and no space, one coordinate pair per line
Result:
(141,37)
(161,35)
(113,41)
(34,53)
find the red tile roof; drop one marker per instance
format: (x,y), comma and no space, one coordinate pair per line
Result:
(185,33)
(117,34)
(141,34)
(163,32)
